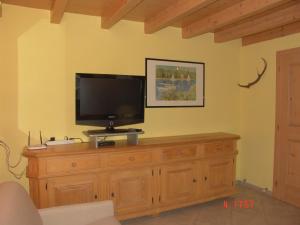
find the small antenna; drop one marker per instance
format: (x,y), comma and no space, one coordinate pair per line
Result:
(28,138)
(41,139)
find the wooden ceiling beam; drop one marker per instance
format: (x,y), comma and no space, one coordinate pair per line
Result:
(229,15)
(269,21)
(272,34)
(58,10)
(0,8)
(172,13)
(118,12)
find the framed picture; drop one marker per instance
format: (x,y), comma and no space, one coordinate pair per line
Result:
(173,83)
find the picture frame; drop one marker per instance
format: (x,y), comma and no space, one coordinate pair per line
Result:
(173,83)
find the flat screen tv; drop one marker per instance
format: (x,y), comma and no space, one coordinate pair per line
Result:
(109,100)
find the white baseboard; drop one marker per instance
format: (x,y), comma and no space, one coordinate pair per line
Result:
(254,187)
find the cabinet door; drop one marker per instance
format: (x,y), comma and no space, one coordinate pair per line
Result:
(219,176)
(132,190)
(178,183)
(72,190)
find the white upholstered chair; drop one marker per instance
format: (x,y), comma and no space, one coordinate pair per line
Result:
(16,208)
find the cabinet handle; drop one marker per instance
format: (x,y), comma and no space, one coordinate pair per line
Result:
(194,180)
(205,178)
(96,196)
(112,194)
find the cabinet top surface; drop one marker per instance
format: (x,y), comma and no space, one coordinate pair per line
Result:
(121,146)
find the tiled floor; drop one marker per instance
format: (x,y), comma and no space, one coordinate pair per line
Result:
(265,211)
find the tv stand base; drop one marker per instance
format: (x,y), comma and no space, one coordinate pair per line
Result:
(99,138)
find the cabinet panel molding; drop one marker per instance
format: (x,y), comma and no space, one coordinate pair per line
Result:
(220,175)
(72,190)
(132,190)
(178,183)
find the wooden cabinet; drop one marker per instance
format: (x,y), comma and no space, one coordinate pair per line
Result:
(156,175)
(132,190)
(72,190)
(178,183)
(219,176)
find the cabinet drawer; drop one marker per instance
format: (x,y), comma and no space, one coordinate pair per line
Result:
(70,164)
(219,147)
(180,152)
(129,159)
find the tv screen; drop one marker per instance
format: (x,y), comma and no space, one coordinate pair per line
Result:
(109,100)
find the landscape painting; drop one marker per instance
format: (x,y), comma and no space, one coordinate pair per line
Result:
(174,83)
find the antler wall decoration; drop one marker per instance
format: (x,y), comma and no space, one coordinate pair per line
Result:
(259,75)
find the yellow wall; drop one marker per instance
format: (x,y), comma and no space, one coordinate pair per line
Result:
(38,61)
(257,107)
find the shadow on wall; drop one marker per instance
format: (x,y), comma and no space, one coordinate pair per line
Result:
(42,79)
(30,51)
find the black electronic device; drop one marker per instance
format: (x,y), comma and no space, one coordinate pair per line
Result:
(109,100)
(105,143)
